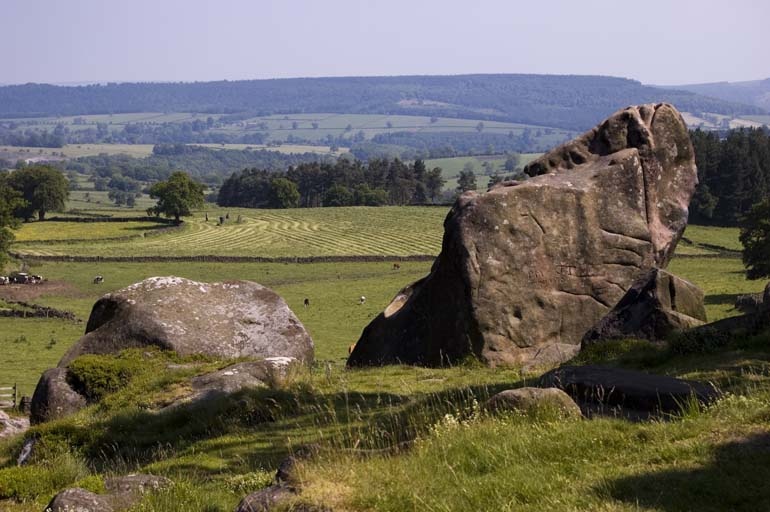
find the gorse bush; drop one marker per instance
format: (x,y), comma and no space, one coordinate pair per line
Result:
(95,376)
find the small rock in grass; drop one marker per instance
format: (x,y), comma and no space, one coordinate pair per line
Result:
(529,399)
(79,500)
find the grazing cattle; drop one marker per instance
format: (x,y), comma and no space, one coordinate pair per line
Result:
(98,279)
(306,302)
(396,266)
(362,300)
(33,279)
(4,280)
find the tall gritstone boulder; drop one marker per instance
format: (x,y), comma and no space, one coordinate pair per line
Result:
(528,267)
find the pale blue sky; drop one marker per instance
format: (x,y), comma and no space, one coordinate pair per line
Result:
(654,41)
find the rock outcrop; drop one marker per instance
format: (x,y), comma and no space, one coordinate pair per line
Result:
(54,398)
(605,387)
(657,304)
(122,493)
(230,320)
(528,267)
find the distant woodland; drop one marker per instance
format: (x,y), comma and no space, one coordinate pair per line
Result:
(734,174)
(345,183)
(569,102)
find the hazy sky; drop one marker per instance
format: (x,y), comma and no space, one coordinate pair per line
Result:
(654,41)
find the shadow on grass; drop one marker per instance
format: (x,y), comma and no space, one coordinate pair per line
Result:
(736,480)
(256,429)
(721,299)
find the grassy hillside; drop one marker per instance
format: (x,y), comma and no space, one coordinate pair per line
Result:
(394,438)
(570,102)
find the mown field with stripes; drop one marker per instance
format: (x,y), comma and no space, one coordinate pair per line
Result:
(354,231)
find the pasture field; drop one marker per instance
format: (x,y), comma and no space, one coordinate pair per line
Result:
(334,319)
(451,167)
(280,127)
(144,150)
(333,288)
(68,231)
(96,201)
(427,442)
(313,127)
(355,231)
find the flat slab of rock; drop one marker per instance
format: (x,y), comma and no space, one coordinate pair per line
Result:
(231,319)
(657,304)
(629,389)
(528,267)
(530,399)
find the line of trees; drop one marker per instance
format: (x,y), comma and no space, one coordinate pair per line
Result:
(345,183)
(733,174)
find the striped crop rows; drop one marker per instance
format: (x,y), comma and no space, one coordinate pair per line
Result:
(360,231)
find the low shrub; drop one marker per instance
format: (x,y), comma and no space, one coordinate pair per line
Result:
(698,341)
(29,482)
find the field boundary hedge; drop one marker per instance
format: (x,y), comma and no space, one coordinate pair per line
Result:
(223,259)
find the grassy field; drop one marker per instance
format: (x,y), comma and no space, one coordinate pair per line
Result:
(459,458)
(451,167)
(309,126)
(358,231)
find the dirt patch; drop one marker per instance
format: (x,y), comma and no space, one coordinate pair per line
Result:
(30,292)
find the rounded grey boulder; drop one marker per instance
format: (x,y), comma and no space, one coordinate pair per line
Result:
(230,319)
(530,399)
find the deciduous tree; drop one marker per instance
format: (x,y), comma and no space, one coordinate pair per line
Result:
(177,196)
(44,189)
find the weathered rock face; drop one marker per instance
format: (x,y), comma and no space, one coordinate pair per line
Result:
(527,268)
(79,500)
(528,399)
(231,319)
(657,304)
(54,398)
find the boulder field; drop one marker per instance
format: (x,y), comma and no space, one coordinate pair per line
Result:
(527,268)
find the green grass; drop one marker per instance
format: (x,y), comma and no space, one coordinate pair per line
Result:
(334,319)
(715,237)
(451,167)
(48,231)
(357,231)
(455,457)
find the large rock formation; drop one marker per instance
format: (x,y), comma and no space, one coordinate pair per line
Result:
(527,268)
(230,320)
(657,304)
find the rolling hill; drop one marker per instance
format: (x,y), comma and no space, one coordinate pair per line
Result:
(562,101)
